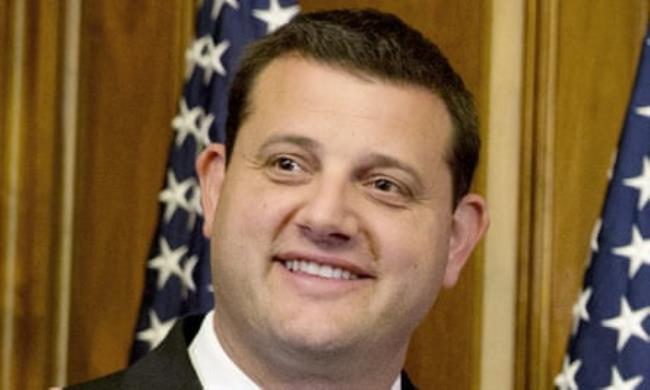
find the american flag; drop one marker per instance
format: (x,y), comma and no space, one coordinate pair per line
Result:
(177,277)
(610,343)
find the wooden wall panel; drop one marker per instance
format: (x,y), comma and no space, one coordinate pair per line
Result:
(30,106)
(581,64)
(445,350)
(35,285)
(5,56)
(131,67)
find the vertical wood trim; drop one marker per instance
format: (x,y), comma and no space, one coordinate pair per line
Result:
(69,147)
(482,101)
(12,188)
(500,278)
(537,195)
(542,251)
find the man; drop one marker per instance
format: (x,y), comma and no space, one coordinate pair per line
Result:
(337,210)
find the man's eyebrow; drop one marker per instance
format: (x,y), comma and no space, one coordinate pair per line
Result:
(377,160)
(298,140)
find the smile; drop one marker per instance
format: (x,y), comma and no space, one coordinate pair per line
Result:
(320,270)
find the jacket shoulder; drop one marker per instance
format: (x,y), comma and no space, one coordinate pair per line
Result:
(112,381)
(166,367)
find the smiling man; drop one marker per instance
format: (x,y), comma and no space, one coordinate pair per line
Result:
(339,207)
(336,212)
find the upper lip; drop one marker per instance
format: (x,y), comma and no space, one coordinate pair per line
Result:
(361,270)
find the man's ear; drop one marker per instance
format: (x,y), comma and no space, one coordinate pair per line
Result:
(469,222)
(211,169)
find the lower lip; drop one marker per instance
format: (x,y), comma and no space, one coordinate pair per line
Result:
(319,287)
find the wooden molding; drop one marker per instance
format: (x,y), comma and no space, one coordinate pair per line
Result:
(502,153)
(30,192)
(537,195)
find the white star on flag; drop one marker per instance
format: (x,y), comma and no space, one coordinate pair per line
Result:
(202,132)
(174,195)
(167,262)
(186,275)
(643,111)
(211,62)
(628,323)
(637,252)
(218,4)
(618,383)
(566,380)
(275,16)
(195,208)
(156,332)
(195,200)
(641,183)
(580,309)
(185,122)
(195,53)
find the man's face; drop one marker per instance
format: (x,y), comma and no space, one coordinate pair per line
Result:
(333,227)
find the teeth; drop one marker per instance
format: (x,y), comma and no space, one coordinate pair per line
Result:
(324,271)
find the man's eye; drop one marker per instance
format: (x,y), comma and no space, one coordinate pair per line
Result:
(286,164)
(389,191)
(287,168)
(386,185)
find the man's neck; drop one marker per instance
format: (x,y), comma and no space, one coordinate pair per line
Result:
(274,367)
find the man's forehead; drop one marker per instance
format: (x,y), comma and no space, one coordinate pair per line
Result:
(345,67)
(288,75)
(281,73)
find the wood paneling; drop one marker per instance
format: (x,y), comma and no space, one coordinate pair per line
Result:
(30,105)
(6,56)
(581,62)
(445,350)
(6,49)
(131,67)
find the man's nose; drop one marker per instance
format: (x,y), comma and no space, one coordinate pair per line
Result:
(327,217)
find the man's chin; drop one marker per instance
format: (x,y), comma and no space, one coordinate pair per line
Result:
(323,338)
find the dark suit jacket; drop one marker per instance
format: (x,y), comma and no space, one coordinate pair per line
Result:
(168,366)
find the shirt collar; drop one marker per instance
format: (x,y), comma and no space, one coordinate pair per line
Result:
(214,367)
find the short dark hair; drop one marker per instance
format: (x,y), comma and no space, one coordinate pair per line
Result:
(373,43)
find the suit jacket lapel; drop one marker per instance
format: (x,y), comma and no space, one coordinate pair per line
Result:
(406,382)
(168,366)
